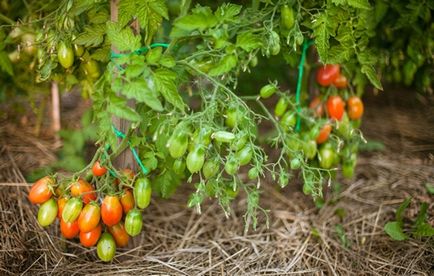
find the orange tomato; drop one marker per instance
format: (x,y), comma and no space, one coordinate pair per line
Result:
(317,106)
(355,108)
(84,189)
(335,107)
(127,201)
(60,204)
(89,217)
(324,134)
(120,235)
(89,239)
(98,170)
(111,210)
(41,190)
(69,230)
(341,82)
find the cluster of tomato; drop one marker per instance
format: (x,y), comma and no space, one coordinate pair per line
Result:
(83,213)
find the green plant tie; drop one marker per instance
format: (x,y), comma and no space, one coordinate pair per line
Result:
(306,45)
(122,135)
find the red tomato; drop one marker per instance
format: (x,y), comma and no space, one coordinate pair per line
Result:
(41,190)
(69,230)
(341,82)
(317,106)
(355,108)
(89,239)
(327,74)
(111,210)
(60,204)
(89,217)
(324,134)
(84,189)
(127,201)
(120,235)
(98,170)
(335,107)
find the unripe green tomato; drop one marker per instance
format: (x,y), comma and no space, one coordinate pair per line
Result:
(223,136)
(275,49)
(65,55)
(344,127)
(232,117)
(91,69)
(72,209)
(348,169)
(195,159)
(267,91)
(47,212)
(133,222)
(295,164)
(281,106)
(178,144)
(240,141)
(309,149)
(106,247)
(78,50)
(244,156)
(231,193)
(28,41)
(287,17)
(142,192)
(253,173)
(326,157)
(179,166)
(254,61)
(231,166)
(283,179)
(288,121)
(210,168)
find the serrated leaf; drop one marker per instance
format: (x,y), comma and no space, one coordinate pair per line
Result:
(360,4)
(92,36)
(201,19)
(159,7)
(370,73)
(394,230)
(122,38)
(5,63)
(140,91)
(101,54)
(134,70)
(227,12)
(149,160)
(165,81)
(118,107)
(225,65)
(154,55)
(167,61)
(166,183)
(248,41)
(322,36)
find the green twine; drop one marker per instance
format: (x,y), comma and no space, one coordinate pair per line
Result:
(306,45)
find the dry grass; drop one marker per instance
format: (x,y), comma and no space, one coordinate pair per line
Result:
(178,241)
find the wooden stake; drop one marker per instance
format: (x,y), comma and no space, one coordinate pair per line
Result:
(55,110)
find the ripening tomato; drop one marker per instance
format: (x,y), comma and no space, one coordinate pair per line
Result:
(111,210)
(327,74)
(89,239)
(335,107)
(72,209)
(341,81)
(84,189)
(355,108)
(60,205)
(195,159)
(47,212)
(324,134)
(127,200)
(89,217)
(133,222)
(69,230)
(119,234)
(41,190)
(106,247)
(317,106)
(65,55)
(98,170)
(178,144)
(142,192)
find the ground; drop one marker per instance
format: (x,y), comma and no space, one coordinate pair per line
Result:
(179,241)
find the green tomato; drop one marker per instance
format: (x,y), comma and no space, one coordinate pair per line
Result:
(275,49)
(348,169)
(244,156)
(179,166)
(283,179)
(91,69)
(281,106)
(254,61)
(133,222)
(309,149)
(233,117)
(72,209)
(195,159)
(288,121)
(240,141)
(47,212)
(326,157)
(230,192)
(344,127)
(253,173)
(178,144)
(267,91)
(293,143)
(231,166)
(210,168)
(78,50)
(295,164)
(223,136)
(142,192)
(106,247)
(65,55)
(287,17)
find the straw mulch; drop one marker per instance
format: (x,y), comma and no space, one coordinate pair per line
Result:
(179,241)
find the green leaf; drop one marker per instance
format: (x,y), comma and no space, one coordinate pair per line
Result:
(166,183)
(140,91)
(340,231)
(322,36)
(225,65)
(424,230)
(359,4)
(92,36)
(165,80)
(248,41)
(101,54)
(370,73)
(201,19)
(167,61)
(422,215)
(159,7)
(430,188)
(400,211)
(134,70)
(118,107)
(5,63)
(394,230)
(153,56)
(227,12)
(149,160)
(122,38)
